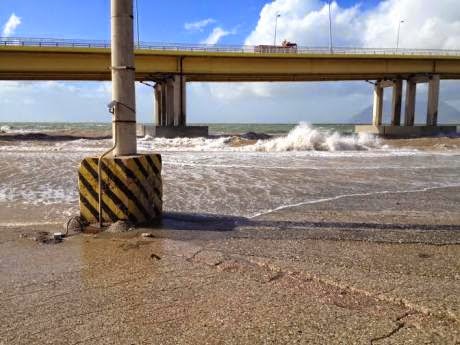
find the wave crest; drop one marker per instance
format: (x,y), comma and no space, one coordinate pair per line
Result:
(305,138)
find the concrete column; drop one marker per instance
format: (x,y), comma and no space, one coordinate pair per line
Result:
(157,93)
(411,91)
(433,101)
(177,99)
(123,77)
(163,103)
(183,110)
(378,105)
(169,103)
(396,103)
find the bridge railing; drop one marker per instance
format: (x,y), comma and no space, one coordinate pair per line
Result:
(71,43)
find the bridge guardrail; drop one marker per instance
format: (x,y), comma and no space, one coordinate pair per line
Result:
(69,43)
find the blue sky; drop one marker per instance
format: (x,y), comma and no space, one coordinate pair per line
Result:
(428,24)
(159,21)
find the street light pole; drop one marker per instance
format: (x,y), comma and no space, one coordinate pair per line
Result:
(330,28)
(399,29)
(276,27)
(137,25)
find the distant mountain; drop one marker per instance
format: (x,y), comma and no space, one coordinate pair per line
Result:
(447,114)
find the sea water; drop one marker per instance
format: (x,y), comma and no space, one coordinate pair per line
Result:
(223,175)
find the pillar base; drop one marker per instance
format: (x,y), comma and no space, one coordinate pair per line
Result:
(131,189)
(172,132)
(406,131)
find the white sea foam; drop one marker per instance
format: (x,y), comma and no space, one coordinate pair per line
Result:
(305,138)
(302,138)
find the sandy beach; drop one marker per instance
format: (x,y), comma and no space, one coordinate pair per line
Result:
(295,247)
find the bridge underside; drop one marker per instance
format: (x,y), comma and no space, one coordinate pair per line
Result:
(66,76)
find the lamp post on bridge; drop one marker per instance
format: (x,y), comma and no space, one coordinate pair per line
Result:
(330,28)
(397,36)
(276,27)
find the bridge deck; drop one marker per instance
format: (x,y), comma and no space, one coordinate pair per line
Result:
(21,61)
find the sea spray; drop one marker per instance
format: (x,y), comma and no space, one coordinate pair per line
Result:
(302,138)
(305,138)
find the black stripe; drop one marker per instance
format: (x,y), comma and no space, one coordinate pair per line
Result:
(125,190)
(152,165)
(141,167)
(130,174)
(90,169)
(94,194)
(90,208)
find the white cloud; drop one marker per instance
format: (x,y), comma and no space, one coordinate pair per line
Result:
(199,25)
(65,101)
(10,26)
(216,35)
(427,24)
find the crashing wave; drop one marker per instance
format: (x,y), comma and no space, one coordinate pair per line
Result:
(305,138)
(302,138)
(5,129)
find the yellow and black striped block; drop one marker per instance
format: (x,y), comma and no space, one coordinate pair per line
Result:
(131,189)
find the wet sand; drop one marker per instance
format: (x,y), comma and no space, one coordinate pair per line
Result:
(376,269)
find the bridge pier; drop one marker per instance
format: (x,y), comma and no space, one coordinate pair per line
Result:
(411,92)
(394,129)
(378,105)
(171,111)
(396,103)
(433,100)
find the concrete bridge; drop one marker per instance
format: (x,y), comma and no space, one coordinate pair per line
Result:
(171,66)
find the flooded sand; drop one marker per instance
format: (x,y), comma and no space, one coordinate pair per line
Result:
(352,241)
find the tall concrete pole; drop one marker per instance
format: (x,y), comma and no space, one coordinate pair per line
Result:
(276,27)
(123,78)
(330,28)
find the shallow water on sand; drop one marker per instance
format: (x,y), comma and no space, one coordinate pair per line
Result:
(38,180)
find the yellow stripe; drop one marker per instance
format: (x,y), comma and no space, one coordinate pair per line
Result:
(89,178)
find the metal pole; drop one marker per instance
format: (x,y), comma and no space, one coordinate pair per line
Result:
(276,26)
(330,29)
(137,25)
(123,78)
(399,29)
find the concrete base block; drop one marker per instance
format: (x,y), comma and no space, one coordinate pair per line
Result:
(172,132)
(131,189)
(406,131)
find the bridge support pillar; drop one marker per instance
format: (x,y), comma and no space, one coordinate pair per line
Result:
(433,101)
(411,92)
(409,130)
(158,110)
(396,103)
(378,105)
(171,111)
